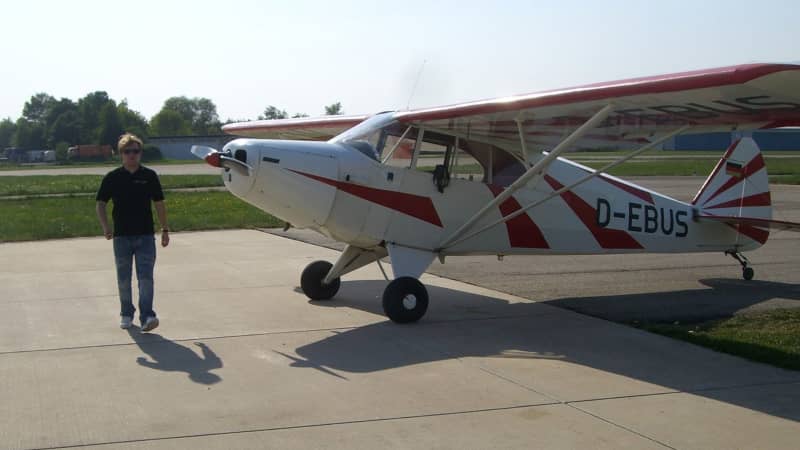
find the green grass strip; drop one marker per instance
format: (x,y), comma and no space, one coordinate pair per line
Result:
(772,337)
(64,217)
(75,184)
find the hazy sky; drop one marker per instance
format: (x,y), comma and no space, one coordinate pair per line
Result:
(302,55)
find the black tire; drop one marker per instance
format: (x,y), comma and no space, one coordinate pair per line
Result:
(311,281)
(748,273)
(405,300)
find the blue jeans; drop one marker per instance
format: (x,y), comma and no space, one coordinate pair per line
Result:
(142,249)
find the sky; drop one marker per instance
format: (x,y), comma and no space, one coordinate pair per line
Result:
(302,55)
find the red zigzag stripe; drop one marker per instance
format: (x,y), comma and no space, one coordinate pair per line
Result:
(413,205)
(752,167)
(522,230)
(762,199)
(606,237)
(756,234)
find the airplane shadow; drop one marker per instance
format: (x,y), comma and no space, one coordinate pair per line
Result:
(170,356)
(725,298)
(463,325)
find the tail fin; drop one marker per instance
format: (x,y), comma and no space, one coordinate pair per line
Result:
(738,188)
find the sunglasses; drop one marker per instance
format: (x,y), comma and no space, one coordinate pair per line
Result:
(129,151)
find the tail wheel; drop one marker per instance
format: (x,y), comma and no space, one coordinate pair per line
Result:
(405,300)
(311,281)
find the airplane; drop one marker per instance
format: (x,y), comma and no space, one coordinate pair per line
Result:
(488,177)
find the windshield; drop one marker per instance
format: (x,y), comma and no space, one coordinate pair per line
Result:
(366,130)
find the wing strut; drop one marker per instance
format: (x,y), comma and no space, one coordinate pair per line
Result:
(536,171)
(396,144)
(588,177)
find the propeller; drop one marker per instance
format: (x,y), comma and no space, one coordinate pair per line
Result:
(216,158)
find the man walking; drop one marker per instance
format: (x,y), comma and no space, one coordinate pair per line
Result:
(132,188)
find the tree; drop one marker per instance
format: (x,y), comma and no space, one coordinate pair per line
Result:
(63,123)
(66,128)
(169,123)
(29,135)
(272,113)
(7,129)
(89,108)
(334,109)
(110,125)
(38,107)
(297,115)
(132,121)
(200,113)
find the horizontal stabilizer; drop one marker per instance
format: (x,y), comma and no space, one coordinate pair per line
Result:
(753,222)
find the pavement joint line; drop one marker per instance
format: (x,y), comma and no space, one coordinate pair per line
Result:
(620,426)
(574,403)
(244,335)
(163,340)
(570,405)
(305,426)
(160,293)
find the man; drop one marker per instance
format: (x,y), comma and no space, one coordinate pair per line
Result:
(132,188)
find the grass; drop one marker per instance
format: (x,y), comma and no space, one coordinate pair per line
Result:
(109,163)
(64,217)
(688,167)
(75,184)
(785,179)
(771,337)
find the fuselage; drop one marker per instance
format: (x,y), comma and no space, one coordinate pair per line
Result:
(346,195)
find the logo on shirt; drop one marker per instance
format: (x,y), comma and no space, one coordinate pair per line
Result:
(140,181)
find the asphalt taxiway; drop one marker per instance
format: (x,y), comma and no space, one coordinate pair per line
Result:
(243,360)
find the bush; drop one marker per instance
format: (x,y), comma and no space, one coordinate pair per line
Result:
(151,153)
(61,151)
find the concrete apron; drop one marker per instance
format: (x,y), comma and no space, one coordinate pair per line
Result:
(244,360)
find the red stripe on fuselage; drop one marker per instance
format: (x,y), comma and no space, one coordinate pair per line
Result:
(644,195)
(522,230)
(606,237)
(413,205)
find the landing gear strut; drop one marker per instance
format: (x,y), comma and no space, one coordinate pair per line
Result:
(747,271)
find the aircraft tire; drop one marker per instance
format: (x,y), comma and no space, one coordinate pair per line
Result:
(405,300)
(311,281)
(748,273)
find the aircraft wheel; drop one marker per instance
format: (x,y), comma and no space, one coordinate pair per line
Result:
(747,273)
(405,300)
(311,281)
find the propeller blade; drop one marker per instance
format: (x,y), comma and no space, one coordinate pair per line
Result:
(201,151)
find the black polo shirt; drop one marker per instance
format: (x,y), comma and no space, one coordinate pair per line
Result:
(132,194)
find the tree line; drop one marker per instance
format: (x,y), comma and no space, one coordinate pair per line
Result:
(50,123)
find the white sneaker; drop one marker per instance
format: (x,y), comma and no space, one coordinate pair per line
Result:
(125,322)
(150,324)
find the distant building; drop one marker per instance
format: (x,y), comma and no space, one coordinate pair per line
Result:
(775,139)
(179,147)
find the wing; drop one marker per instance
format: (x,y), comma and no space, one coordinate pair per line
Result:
(729,98)
(314,128)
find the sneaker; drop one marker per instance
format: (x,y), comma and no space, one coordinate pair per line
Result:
(125,322)
(150,324)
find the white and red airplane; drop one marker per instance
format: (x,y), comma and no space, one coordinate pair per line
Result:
(487,177)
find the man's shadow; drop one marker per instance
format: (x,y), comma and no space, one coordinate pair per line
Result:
(170,356)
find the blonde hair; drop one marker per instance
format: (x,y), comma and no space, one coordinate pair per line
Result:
(128,139)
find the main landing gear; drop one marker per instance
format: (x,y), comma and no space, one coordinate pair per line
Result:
(747,271)
(405,299)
